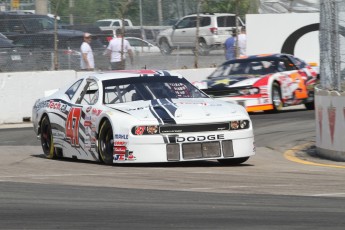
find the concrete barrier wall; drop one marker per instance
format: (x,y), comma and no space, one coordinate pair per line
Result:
(20,90)
(330,124)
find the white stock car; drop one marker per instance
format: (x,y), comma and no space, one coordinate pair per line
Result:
(141,116)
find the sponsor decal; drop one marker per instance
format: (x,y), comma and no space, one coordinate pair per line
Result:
(331,119)
(119,157)
(121,136)
(51,104)
(131,157)
(120,143)
(138,108)
(319,112)
(200,138)
(96,112)
(120,149)
(139,130)
(180,89)
(88,109)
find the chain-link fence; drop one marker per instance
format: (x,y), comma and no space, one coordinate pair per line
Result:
(36,48)
(332,45)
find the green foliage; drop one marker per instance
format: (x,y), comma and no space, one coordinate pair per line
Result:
(89,11)
(239,7)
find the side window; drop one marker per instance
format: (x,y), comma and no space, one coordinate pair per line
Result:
(186,23)
(137,43)
(116,24)
(15,26)
(90,94)
(205,21)
(226,21)
(71,91)
(286,64)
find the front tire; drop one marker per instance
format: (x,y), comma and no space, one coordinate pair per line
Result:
(204,49)
(165,47)
(310,105)
(276,96)
(233,161)
(106,143)
(47,141)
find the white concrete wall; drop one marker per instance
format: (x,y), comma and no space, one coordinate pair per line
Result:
(266,33)
(20,90)
(330,124)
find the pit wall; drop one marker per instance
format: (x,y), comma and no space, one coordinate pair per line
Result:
(330,124)
(20,90)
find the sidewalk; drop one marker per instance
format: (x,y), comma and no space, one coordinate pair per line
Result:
(16,125)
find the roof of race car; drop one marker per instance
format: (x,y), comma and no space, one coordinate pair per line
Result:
(130,73)
(258,56)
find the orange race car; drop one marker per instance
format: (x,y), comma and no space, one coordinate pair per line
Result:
(266,82)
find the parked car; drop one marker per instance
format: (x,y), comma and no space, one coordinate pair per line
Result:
(141,46)
(13,23)
(41,48)
(214,29)
(266,82)
(11,58)
(141,116)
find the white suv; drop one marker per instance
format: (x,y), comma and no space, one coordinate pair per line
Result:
(213,31)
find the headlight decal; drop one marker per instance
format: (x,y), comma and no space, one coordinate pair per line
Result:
(145,130)
(155,129)
(239,124)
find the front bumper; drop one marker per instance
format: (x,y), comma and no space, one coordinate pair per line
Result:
(251,104)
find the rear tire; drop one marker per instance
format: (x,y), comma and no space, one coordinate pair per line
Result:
(233,161)
(47,141)
(106,143)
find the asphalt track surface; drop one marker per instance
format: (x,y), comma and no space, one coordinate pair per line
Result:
(269,191)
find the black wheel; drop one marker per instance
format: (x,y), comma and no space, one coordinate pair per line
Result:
(276,98)
(165,47)
(106,143)
(204,49)
(47,138)
(309,105)
(233,161)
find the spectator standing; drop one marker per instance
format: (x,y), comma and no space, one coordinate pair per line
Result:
(87,61)
(117,49)
(230,46)
(242,42)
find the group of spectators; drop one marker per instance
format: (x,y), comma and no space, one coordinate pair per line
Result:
(117,49)
(235,46)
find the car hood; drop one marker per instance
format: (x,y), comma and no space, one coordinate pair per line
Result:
(180,110)
(232,81)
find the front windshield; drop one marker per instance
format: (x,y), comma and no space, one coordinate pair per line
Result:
(148,88)
(248,67)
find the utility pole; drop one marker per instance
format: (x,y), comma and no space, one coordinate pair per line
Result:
(160,12)
(41,7)
(71,8)
(196,53)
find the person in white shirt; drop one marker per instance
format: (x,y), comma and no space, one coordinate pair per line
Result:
(117,51)
(242,42)
(87,61)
